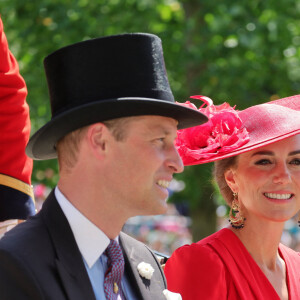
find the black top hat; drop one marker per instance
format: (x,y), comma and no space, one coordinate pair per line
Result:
(103,79)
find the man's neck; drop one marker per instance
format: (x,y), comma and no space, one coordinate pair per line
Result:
(101,212)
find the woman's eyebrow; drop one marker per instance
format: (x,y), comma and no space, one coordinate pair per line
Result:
(263,153)
(272,153)
(294,152)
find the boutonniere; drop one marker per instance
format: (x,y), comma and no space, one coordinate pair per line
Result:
(145,270)
(171,296)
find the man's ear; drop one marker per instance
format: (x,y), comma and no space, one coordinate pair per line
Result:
(97,138)
(230,178)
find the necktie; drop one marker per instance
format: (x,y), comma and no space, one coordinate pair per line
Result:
(114,273)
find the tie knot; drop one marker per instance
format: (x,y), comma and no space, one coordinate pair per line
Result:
(114,252)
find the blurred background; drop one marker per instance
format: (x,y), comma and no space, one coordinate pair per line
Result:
(242,52)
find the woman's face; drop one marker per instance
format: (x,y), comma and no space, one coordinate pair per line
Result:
(267,180)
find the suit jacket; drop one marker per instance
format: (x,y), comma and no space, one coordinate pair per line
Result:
(39,259)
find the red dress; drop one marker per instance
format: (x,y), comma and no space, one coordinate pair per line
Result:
(220,267)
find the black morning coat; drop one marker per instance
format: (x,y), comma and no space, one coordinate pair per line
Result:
(39,259)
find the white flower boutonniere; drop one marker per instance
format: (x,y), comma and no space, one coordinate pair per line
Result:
(145,270)
(171,296)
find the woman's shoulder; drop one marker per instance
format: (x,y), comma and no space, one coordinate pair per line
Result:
(220,235)
(196,271)
(202,252)
(289,253)
(292,261)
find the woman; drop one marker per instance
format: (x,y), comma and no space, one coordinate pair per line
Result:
(257,168)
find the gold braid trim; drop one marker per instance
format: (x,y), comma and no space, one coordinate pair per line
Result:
(17,185)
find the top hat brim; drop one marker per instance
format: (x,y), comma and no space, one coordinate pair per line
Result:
(42,144)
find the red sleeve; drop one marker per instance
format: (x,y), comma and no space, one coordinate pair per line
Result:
(196,272)
(14,117)
(16,195)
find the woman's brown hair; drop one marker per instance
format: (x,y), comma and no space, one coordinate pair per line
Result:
(220,168)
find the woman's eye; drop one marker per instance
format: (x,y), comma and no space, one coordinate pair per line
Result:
(295,161)
(263,162)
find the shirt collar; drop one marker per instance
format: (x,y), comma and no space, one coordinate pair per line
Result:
(91,240)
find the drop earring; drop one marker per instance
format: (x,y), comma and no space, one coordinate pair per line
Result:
(236,218)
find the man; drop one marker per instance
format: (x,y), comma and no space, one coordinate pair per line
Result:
(113,127)
(16,195)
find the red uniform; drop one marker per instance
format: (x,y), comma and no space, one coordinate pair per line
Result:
(16,196)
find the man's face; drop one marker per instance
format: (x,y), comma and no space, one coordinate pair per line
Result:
(143,164)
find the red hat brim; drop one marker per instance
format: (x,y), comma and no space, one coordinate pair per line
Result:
(266,124)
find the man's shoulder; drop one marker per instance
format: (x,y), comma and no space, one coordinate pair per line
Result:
(130,242)
(138,254)
(30,234)
(160,257)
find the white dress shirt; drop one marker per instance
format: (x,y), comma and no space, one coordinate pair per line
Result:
(92,243)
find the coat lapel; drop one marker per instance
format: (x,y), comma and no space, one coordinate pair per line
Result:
(135,253)
(69,261)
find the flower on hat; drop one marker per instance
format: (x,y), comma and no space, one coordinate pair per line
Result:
(145,270)
(171,296)
(224,132)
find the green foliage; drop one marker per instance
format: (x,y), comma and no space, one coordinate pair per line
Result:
(243,52)
(36,28)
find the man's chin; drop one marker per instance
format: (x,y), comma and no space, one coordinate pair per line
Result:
(156,211)
(161,209)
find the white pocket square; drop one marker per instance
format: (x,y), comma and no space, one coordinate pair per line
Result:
(171,296)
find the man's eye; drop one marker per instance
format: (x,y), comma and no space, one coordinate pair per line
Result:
(263,162)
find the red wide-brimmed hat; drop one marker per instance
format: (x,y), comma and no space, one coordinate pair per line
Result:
(230,132)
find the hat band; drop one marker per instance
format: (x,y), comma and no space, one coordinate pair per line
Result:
(158,95)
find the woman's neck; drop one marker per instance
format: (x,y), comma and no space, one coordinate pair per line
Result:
(261,239)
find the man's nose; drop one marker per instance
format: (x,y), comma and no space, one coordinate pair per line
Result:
(175,161)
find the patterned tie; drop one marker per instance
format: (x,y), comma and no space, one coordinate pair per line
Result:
(114,273)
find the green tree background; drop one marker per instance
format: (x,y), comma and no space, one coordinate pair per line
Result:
(243,52)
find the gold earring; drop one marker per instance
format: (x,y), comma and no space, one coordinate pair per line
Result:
(236,218)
